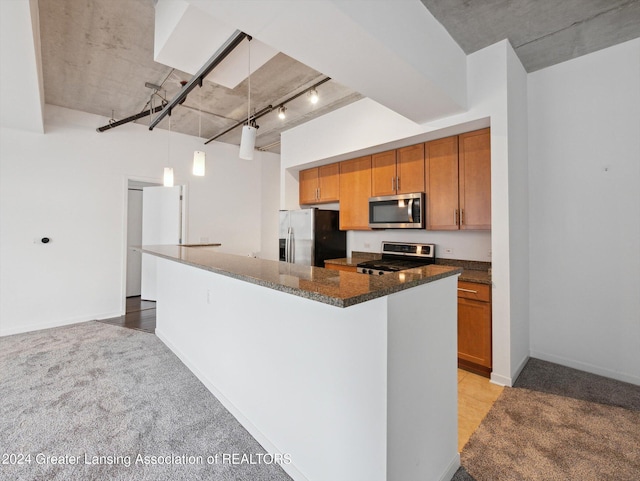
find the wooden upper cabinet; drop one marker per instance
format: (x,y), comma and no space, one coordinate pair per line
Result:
(475,179)
(320,184)
(329,182)
(383,173)
(410,169)
(398,171)
(458,182)
(441,180)
(308,186)
(355,190)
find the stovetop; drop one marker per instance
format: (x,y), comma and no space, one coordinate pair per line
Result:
(398,256)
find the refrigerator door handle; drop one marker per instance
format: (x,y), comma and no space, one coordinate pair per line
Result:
(286,247)
(292,244)
(289,245)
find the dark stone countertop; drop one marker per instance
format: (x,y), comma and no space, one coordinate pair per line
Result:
(337,288)
(473,271)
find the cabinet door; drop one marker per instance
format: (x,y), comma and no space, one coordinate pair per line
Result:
(308,186)
(355,190)
(475,180)
(383,173)
(441,181)
(410,169)
(329,182)
(474,332)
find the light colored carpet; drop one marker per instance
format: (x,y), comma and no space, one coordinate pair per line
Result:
(538,436)
(93,389)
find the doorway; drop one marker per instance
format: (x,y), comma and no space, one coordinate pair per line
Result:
(134,236)
(154,216)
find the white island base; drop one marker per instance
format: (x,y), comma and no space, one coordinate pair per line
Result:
(363,393)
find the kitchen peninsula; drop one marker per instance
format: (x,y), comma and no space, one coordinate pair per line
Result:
(353,376)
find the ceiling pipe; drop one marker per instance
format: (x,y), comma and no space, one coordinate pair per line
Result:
(197,79)
(118,123)
(268,109)
(257,115)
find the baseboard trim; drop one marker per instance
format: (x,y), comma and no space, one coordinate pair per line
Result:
(583,366)
(451,469)
(39,326)
(290,469)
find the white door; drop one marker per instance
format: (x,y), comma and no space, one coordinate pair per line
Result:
(161,225)
(134,238)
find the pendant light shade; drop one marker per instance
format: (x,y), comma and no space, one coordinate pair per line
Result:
(168,177)
(248,142)
(199,163)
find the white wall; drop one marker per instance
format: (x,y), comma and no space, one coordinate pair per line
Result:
(361,127)
(584,151)
(518,212)
(70,184)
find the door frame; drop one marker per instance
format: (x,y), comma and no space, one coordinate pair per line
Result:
(125,226)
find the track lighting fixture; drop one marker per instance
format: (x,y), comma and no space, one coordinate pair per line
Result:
(313,96)
(281,112)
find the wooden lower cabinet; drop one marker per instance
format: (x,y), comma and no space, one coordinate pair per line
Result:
(474,327)
(340,267)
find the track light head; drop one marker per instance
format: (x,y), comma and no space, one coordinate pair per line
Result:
(313,96)
(281,112)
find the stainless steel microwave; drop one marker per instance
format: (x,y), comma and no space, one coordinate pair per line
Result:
(402,211)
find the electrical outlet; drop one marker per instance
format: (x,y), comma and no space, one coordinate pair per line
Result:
(489,254)
(204,240)
(367,245)
(448,250)
(209,296)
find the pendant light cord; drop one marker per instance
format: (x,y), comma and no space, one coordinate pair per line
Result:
(249,96)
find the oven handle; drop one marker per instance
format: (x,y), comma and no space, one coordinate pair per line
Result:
(410,211)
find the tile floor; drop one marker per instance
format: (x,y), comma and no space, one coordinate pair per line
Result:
(476,395)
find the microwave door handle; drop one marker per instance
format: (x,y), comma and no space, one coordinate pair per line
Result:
(410,210)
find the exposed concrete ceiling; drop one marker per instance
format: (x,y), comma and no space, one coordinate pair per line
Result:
(542,32)
(98,55)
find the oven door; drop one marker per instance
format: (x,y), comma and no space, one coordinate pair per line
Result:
(404,211)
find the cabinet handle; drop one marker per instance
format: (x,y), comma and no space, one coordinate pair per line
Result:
(317,193)
(461,216)
(455,216)
(398,183)
(393,184)
(471,291)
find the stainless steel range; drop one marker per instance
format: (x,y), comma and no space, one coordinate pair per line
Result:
(399,256)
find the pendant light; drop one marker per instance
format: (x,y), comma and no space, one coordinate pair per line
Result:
(168,171)
(248,139)
(199,157)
